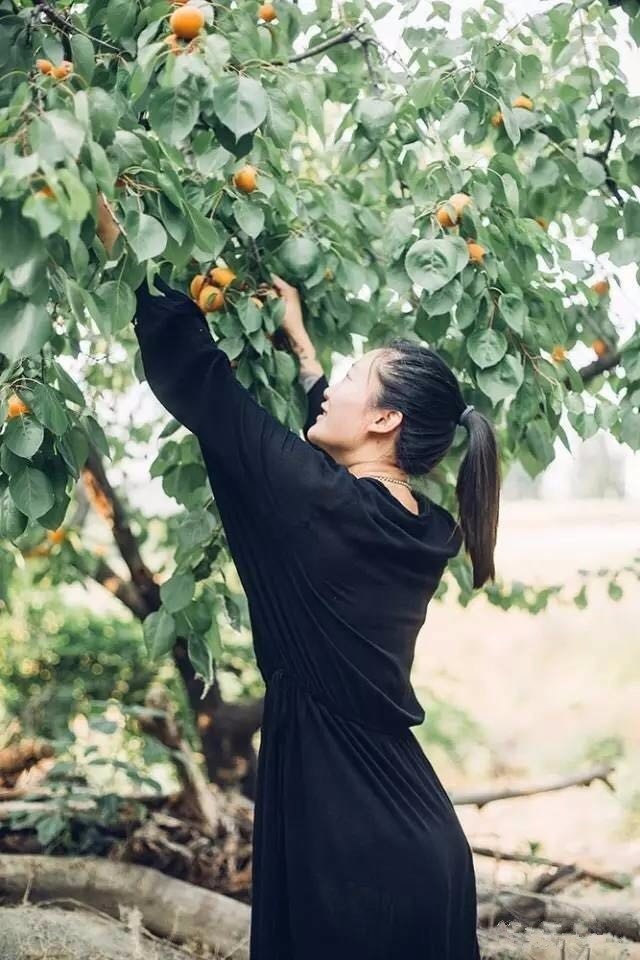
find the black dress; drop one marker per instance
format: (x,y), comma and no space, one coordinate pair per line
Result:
(358,852)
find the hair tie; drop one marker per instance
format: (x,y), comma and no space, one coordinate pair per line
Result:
(463,416)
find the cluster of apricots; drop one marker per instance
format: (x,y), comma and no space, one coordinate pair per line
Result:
(525,103)
(208,289)
(187,21)
(61,72)
(448,215)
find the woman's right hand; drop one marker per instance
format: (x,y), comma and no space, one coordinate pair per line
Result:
(293,324)
(294,328)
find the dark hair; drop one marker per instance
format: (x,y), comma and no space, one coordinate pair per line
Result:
(416,381)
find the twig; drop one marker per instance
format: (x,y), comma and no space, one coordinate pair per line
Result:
(343,37)
(482,797)
(533,858)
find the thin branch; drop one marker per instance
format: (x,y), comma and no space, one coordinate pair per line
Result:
(55,17)
(481,797)
(343,37)
(546,861)
(125,591)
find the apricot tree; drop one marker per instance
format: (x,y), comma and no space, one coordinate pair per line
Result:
(437,195)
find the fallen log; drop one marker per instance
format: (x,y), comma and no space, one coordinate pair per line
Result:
(568,915)
(515,943)
(169,908)
(22,756)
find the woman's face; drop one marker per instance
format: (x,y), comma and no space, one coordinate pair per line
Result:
(347,422)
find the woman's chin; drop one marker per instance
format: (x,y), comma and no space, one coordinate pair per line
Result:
(314,433)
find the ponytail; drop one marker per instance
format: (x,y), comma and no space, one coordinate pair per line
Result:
(416,380)
(478,493)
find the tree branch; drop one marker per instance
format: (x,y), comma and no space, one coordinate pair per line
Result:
(123,590)
(343,37)
(481,797)
(109,506)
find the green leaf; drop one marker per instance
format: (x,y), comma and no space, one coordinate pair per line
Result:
(24,329)
(159,631)
(201,660)
(250,315)
(249,217)
(299,257)
(24,436)
(511,193)
(147,237)
(592,171)
(217,51)
(630,429)
(96,435)
(433,263)
(510,123)
(503,380)
(66,131)
(121,18)
(240,103)
(32,492)
(177,592)
(12,520)
(195,530)
(441,302)
(486,347)
(83,56)
(210,237)
(50,827)
(375,117)
(173,112)
(514,311)
(48,407)
(453,122)
(118,302)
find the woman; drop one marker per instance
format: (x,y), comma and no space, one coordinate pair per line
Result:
(358,853)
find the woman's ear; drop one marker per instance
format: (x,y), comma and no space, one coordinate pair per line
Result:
(386,421)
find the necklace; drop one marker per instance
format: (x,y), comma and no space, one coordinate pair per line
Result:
(392,480)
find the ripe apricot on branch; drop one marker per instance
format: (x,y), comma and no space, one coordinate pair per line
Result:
(497,119)
(558,353)
(525,103)
(600,346)
(57,536)
(44,66)
(267,12)
(63,71)
(196,285)
(476,251)
(457,202)
(45,191)
(210,299)
(245,179)
(221,276)
(542,222)
(16,407)
(186,22)
(601,287)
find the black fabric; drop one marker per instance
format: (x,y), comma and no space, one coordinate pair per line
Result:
(358,852)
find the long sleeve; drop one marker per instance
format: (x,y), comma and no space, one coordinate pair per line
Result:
(242,443)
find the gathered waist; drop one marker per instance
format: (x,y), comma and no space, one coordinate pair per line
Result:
(283,678)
